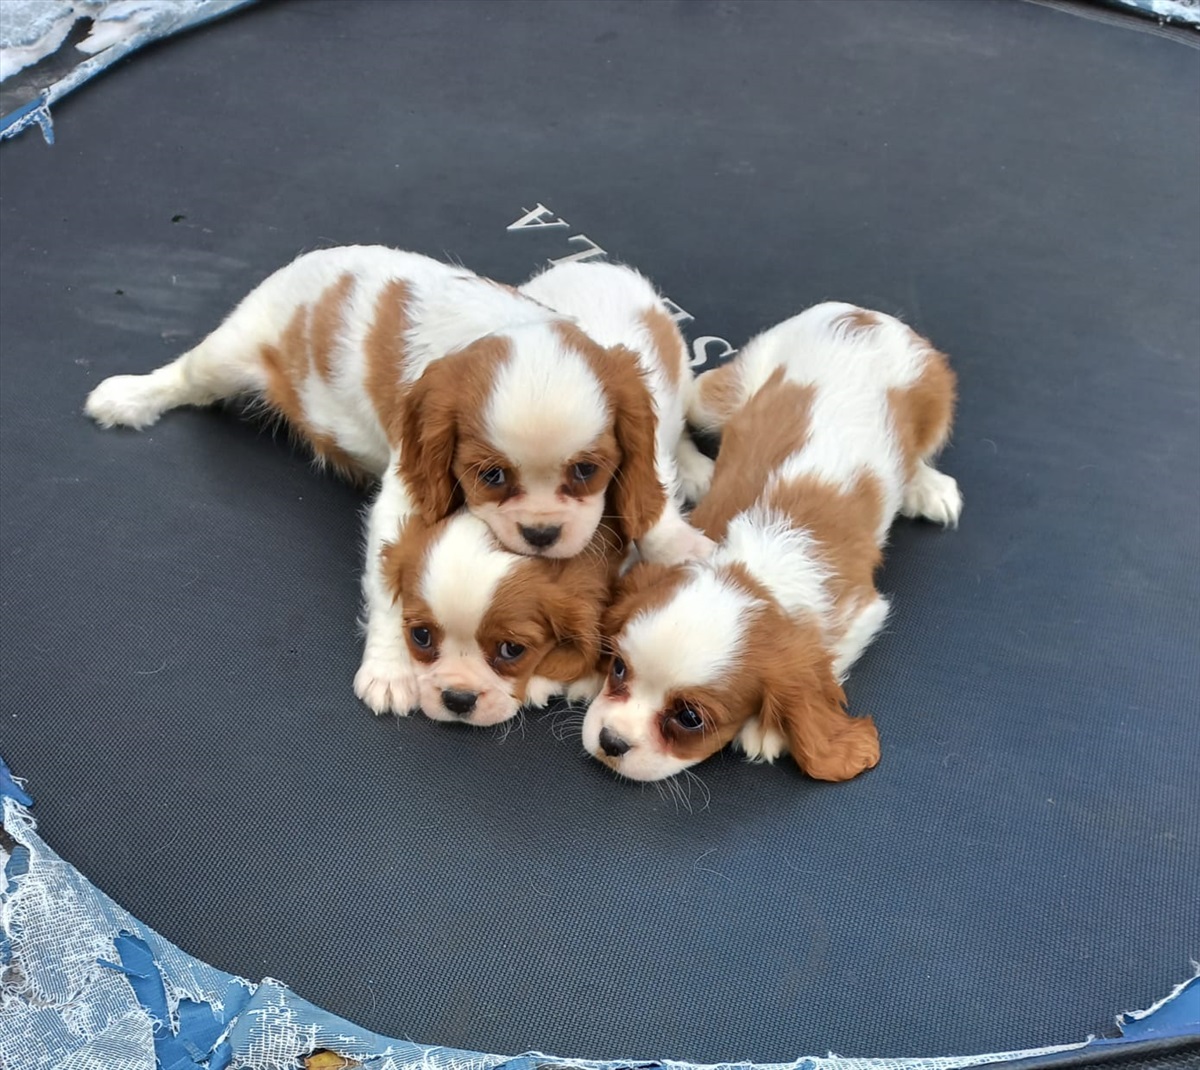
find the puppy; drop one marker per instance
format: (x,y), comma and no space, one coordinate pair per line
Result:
(829,422)
(491,631)
(446,387)
(620,309)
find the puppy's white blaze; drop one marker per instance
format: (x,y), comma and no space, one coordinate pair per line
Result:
(462,570)
(546,404)
(693,639)
(783,558)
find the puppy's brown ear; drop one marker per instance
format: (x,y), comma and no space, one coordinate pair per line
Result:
(638,497)
(572,607)
(428,438)
(806,705)
(569,661)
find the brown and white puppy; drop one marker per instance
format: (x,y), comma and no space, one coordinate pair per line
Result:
(620,308)
(447,388)
(491,631)
(829,422)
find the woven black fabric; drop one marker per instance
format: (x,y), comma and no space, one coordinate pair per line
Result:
(178,606)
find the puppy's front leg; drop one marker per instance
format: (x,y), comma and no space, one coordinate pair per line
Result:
(695,469)
(672,540)
(387,679)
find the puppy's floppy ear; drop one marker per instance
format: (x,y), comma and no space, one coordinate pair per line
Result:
(637,496)
(428,438)
(572,608)
(805,704)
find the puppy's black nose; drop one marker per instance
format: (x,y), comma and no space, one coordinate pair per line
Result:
(541,537)
(612,744)
(460,702)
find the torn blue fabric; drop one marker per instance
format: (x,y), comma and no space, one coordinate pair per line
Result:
(1180,12)
(118,29)
(84,984)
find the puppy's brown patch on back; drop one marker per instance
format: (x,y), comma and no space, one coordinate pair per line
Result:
(923,412)
(667,342)
(286,365)
(325,323)
(716,397)
(844,523)
(384,349)
(756,441)
(289,363)
(860,319)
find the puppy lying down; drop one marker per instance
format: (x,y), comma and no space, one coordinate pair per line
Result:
(829,424)
(453,391)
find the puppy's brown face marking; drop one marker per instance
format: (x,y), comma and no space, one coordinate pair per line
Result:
(481,622)
(754,667)
(541,433)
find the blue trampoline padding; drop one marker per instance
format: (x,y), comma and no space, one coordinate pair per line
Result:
(151,24)
(88,984)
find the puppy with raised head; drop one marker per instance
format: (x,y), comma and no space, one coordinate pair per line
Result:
(491,631)
(446,387)
(620,308)
(829,423)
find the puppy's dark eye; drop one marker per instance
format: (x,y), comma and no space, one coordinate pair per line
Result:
(509,651)
(493,477)
(583,471)
(422,637)
(688,718)
(617,672)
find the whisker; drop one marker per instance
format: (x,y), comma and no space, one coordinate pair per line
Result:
(705,794)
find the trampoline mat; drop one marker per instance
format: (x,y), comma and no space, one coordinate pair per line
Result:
(178,606)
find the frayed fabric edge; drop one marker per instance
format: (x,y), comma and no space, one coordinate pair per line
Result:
(83,983)
(38,110)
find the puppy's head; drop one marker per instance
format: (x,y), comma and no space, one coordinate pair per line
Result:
(536,431)
(480,621)
(694,654)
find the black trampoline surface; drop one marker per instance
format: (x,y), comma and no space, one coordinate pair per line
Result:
(178,640)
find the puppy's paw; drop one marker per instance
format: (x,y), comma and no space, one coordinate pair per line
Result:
(676,544)
(586,689)
(760,744)
(387,685)
(125,401)
(695,471)
(541,692)
(934,496)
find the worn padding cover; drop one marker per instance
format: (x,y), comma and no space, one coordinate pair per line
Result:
(178,606)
